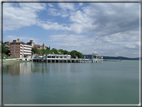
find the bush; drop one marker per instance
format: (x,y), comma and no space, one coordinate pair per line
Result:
(25,55)
(4,55)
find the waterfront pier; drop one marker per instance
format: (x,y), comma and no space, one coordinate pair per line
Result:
(55,58)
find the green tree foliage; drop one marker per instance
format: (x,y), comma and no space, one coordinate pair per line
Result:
(65,52)
(25,55)
(48,48)
(5,50)
(54,50)
(61,50)
(4,55)
(73,53)
(79,54)
(34,50)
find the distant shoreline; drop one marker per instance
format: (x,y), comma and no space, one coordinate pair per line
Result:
(114,57)
(19,61)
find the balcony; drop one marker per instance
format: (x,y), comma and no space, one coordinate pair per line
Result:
(21,47)
(27,48)
(27,53)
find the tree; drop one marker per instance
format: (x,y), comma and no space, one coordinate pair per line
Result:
(48,48)
(5,50)
(25,55)
(61,50)
(34,50)
(79,54)
(4,55)
(54,50)
(38,51)
(47,52)
(65,52)
(69,53)
(73,53)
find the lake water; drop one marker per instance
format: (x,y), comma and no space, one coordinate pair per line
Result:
(71,83)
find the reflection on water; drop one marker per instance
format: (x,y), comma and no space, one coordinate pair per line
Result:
(23,68)
(71,83)
(18,68)
(35,67)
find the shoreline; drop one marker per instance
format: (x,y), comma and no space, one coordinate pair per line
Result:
(12,62)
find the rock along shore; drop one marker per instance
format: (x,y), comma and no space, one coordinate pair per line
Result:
(12,62)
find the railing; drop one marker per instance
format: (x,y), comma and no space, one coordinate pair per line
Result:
(21,47)
(28,53)
(27,48)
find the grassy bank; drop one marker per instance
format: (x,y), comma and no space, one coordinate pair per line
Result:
(12,57)
(7,62)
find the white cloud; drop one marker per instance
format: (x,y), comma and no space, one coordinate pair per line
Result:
(80,4)
(50,5)
(70,41)
(53,12)
(25,39)
(110,29)
(103,19)
(66,6)
(52,25)
(128,36)
(24,15)
(67,38)
(111,46)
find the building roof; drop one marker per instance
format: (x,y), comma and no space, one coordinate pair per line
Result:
(37,45)
(17,42)
(57,55)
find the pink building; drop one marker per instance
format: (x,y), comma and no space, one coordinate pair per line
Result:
(19,49)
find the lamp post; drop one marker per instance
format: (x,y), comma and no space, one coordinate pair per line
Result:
(9,54)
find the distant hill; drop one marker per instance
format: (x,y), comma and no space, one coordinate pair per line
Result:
(112,57)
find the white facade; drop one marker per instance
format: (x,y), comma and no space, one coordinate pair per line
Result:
(27,50)
(58,56)
(52,56)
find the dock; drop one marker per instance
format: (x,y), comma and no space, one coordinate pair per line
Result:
(55,60)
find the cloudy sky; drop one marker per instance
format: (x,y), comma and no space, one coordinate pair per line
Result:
(106,28)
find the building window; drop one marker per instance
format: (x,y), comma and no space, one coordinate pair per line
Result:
(53,56)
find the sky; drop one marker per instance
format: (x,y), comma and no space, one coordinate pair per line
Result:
(110,29)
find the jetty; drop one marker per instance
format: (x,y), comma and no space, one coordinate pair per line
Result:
(56,58)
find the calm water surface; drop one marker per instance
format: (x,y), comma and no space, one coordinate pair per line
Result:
(71,83)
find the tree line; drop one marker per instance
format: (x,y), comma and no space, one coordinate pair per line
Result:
(5,51)
(73,53)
